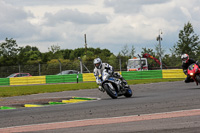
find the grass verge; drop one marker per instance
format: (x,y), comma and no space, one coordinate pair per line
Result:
(35,89)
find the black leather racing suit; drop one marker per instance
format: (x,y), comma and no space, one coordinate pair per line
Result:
(185,67)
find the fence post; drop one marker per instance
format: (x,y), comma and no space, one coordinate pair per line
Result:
(77,77)
(39,70)
(140,62)
(120,64)
(60,65)
(81,67)
(19,68)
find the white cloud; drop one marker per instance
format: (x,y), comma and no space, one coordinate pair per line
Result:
(186,12)
(130,6)
(13,22)
(74,16)
(108,23)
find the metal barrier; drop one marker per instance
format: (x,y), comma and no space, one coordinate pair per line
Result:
(85,77)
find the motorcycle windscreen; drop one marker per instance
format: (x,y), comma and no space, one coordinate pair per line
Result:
(191,67)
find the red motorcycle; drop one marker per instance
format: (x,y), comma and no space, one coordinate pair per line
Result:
(194,72)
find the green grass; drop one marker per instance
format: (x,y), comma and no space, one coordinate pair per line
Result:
(10,91)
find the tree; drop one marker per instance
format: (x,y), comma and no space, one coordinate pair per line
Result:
(151,62)
(8,52)
(188,42)
(56,52)
(149,51)
(125,50)
(105,53)
(132,53)
(46,57)
(9,48)
(113,61)
(54,48)
(29,55)
(157,49)
(66,53)
(171,61)
(77,53)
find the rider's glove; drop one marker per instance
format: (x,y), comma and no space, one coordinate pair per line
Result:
(185,71)
(110,72)
(197,63)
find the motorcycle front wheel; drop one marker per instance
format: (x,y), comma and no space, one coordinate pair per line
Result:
(111,92)
(128,93)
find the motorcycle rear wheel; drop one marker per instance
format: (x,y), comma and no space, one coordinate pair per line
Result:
(198,78)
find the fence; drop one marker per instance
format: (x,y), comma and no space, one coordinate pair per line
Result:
(55,68)
(37,69)
(73,78)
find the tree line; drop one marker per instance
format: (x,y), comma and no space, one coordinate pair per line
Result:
(11,54)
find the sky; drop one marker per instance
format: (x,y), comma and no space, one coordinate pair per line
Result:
(109,24)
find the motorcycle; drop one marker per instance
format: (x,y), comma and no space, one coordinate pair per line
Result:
(114,87)
(194,72)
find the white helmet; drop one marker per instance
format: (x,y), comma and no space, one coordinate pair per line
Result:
(98,63)
(185,58)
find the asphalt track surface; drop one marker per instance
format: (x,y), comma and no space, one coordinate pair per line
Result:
(154,108)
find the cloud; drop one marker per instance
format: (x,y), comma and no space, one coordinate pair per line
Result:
(108,23)
(13,22)
(47,2)
(130,6)
(74,16)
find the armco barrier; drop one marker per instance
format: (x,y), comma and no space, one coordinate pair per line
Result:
(28,80)
(63,78)
(151,74)
(4,81)
(88,77)
(173,73)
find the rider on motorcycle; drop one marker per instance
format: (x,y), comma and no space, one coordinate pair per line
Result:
(99,67)
(186,62)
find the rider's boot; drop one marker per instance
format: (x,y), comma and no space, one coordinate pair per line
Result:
(101,89)
(125,83)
